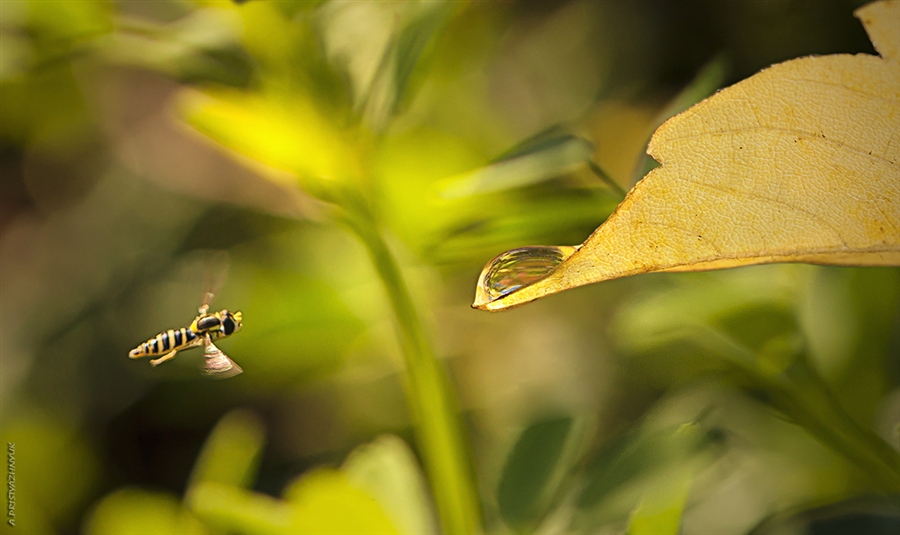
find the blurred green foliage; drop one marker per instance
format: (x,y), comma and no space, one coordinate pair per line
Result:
(524,493)
(360,161)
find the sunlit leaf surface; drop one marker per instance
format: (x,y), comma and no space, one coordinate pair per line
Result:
(134,512)
(389,471)
(798,163)
(325,501)
(291,137)
(231,452)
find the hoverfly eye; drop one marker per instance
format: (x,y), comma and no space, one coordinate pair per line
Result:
(228,325)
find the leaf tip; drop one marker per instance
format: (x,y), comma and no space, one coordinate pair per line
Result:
(515,270)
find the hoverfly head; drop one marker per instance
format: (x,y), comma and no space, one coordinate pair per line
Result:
(231,322)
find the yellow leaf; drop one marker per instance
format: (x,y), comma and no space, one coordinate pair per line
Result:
(798,163)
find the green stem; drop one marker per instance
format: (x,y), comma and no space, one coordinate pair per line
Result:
(430,397)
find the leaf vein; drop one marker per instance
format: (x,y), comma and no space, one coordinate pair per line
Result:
(815,218)
(791,131)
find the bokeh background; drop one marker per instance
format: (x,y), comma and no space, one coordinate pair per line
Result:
(120,190)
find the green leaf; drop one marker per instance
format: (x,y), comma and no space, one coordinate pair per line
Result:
(289,136)
(392,83)
(239,510)
(660,512)
(138,512)
(231,453)
(203,45)
(67,23)
(535,219)
(378,489)
(679,332)
(413,43)
(326,502)
(748,328)
(388,470)
(639,457)
(533,471)
(530,164)
(661,509)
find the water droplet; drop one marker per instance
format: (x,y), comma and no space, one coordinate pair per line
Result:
(518,268)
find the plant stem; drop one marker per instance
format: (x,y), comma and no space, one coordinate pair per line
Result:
(430,397)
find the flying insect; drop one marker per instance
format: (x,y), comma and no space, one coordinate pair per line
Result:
(205,329)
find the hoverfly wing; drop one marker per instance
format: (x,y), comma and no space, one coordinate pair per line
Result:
(216,273)
(216,364)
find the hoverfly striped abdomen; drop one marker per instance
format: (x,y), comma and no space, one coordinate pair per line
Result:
(171,340)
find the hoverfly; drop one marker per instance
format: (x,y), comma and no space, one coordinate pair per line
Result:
(205,329)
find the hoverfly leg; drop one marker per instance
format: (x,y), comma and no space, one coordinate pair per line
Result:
(168,356)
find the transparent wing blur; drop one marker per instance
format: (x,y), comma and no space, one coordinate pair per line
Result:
(216,364)
(216,273)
